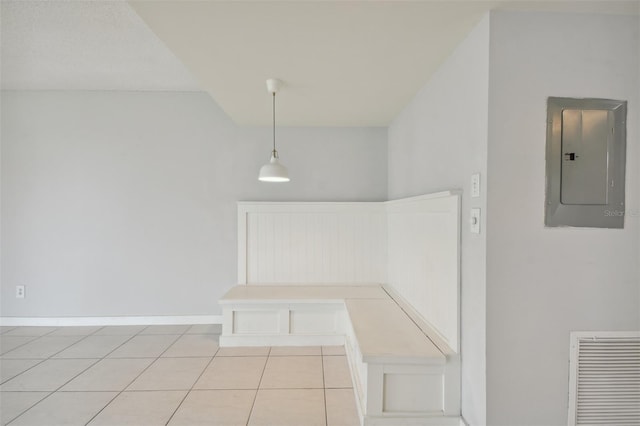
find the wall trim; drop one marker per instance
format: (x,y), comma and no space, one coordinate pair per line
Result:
(123,320)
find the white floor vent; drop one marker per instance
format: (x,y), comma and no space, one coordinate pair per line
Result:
(604,378)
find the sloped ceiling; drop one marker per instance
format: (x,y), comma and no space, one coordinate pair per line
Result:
(84,45)
(344,63)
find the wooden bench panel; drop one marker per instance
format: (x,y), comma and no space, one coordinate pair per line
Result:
(292,293)
(400,376)
(386,334)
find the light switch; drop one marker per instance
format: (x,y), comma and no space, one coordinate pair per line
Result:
(474,221)
(475,185)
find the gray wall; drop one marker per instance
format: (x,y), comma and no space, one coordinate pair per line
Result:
(542,282)
(435,144)
(123,203)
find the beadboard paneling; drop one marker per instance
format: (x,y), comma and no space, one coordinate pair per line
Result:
(412,244)
(423,258)
(306,243)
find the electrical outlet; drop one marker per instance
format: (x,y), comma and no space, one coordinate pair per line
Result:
(19,292)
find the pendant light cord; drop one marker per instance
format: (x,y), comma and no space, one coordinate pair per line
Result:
(275,153)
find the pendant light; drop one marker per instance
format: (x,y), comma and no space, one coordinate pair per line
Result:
(274,171)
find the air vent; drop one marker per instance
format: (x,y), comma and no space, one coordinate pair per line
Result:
(604,378)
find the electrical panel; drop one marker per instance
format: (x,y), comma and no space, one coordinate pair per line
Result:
(586,148)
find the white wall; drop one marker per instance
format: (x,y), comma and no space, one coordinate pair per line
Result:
(436,143)
(543,283)
(124,203)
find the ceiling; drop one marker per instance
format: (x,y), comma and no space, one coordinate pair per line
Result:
(84,45)
(344,63)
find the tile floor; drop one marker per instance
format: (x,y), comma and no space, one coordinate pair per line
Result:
(166,375)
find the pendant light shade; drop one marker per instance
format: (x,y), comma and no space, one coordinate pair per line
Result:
(273,171)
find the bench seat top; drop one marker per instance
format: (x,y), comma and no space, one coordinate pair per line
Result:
(386,334)
(302,293)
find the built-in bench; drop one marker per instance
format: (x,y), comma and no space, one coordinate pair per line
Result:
(400,376)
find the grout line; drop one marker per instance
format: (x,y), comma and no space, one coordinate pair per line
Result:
(67,347)
(192,385)
(180,390)
(127,385)
(324,389)
(97,360)
(41,360)
(266,361)
(36,403)
(57,389)
(25,343)
(118,347)
(191,389)
(8,330)
(99,328)
(138,376)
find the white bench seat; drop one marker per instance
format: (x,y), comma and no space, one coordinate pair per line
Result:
(298,293)
(400,376)
(386,334)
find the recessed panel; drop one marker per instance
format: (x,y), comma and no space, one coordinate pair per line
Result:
(313,322)
(255,322)
(413,393)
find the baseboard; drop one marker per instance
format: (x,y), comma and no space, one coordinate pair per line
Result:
(125,320)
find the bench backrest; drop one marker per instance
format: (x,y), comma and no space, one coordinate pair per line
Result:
(412,244)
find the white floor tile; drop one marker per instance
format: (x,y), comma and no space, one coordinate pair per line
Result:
(140,409)
(75,331)
(336,372)
(170,374)
(5,328)
(333,350)
(295,350)
(284,372)
(156,368)
(48,375)
(65,409)
(341,408)
(30,331)
(9,343)
(165,329)
(244,351)
(120,330)
(193,345)
(288,407)
(147,346)
(109,375)
(12,404)
(215,408)
(10,368)
(232,373)
(42,348)
(93,347)
(205,329)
